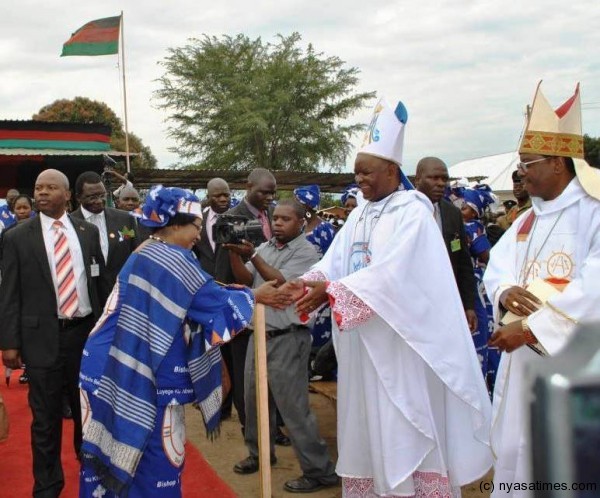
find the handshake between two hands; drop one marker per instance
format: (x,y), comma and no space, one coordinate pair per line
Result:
(308,296)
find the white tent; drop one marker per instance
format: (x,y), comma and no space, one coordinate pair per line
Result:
(496,171)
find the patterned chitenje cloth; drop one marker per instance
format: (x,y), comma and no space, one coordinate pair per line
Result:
(161,289)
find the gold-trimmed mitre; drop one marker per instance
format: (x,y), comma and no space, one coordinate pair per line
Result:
(552,132)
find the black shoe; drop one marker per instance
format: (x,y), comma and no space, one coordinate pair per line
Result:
(281,439)
(249,465)
(66,411)
(305,484)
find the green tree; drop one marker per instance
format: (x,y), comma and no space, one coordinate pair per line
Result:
(84,110)
(591,150)
(236,103)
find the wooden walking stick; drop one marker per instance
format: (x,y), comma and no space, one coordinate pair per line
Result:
(262,401)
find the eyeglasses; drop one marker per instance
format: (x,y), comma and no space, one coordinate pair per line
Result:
(94,197)
(524,166)
(197,225)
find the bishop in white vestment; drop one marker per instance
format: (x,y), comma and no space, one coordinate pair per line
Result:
(412,404)
(557,240)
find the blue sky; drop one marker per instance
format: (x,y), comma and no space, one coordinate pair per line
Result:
(464,69)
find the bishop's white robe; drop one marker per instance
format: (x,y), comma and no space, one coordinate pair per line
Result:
(564,243)
(413,408)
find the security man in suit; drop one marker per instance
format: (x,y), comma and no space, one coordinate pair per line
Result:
(219,197)
(256,205)
(119,234)
(49,302)
(523,202)
(431,179)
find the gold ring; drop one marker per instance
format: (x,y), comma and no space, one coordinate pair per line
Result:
(515,304)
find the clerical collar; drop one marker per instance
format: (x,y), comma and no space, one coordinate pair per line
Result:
(572,193)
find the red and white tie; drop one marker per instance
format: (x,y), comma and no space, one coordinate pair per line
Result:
(65,276)
(266,226)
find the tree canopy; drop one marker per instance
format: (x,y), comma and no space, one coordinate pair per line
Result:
(236,103)
(591,150)
(84,110)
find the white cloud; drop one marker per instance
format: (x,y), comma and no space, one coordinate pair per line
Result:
(464,69)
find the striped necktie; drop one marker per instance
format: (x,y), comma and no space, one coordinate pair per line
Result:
(65,275)
(266,226)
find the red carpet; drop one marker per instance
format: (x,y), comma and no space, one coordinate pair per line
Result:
(16,480)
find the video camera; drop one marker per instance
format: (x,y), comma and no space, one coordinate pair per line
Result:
(109,165)
(564,410)
(232,229)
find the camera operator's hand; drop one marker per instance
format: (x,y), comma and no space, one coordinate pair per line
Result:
(116,174)
(245,249)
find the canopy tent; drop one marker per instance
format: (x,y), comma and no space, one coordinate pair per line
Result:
(496,171)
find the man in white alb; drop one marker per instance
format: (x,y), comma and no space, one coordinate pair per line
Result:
(557,241)
(412,404)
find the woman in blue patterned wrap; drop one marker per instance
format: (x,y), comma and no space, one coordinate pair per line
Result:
(320,233)
(475,201)
(153,350)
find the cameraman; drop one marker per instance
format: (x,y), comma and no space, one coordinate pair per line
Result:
(256,205)
(126,181)
(285,256)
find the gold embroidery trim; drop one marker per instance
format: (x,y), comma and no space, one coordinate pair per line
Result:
(552,144)
(562,313)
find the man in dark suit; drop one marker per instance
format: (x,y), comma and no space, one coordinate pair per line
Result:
(431,179)
(219,196)
(119,234)
(49,302)
(256,205)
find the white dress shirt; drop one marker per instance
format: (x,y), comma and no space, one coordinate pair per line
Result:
(100,221)
(85,308)
(211,217)
(438,216)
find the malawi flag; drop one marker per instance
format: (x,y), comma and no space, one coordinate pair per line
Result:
(99,37)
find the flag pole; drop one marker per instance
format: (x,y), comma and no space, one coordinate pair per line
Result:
(125,94)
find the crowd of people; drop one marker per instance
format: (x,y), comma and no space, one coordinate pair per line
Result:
(127,314)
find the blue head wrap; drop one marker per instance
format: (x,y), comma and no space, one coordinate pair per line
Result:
(350,192)
(479,198)
(163,203)
(309,195)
